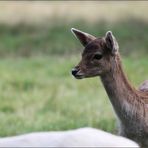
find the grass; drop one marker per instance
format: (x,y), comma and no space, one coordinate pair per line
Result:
(37,91)
(22,40)
(39,94)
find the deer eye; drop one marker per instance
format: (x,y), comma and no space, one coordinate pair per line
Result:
(97,56)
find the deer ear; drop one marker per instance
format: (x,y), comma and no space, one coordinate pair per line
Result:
(84,38)
(111,42)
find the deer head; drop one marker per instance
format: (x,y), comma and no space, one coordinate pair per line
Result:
(97,56)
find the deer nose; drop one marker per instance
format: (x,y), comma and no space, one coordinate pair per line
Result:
(74,71)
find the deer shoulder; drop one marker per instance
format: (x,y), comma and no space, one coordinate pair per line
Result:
(144,86)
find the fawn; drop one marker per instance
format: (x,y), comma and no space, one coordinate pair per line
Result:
(101,57)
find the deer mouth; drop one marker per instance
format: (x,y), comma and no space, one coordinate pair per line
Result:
(79,76)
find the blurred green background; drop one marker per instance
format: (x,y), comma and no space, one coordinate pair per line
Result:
(38,51)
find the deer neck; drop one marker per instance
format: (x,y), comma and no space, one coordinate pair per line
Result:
(120,92)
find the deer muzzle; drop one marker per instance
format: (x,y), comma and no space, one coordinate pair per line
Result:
(76,73)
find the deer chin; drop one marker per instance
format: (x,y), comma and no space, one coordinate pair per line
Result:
(79,76)
(85,76)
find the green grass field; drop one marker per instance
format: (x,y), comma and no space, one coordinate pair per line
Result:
(39,94)
(37,91)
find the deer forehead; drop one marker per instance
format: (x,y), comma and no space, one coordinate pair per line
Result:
(97,45)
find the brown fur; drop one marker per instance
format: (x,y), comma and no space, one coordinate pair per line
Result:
(130,105)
